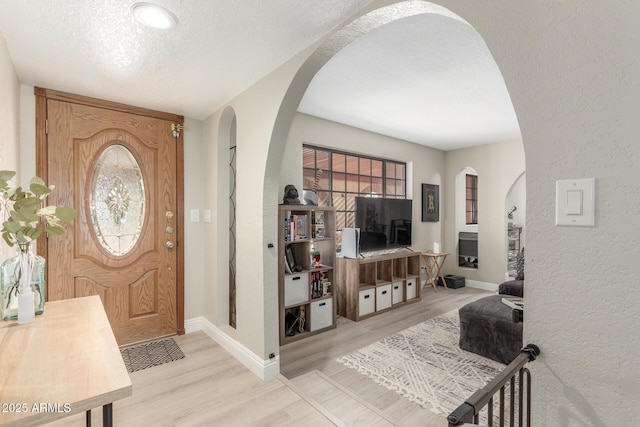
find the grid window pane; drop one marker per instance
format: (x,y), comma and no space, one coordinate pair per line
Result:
(351,202)
(339,201)
(390,188)
(340,220)
(338,163)
(376,168)
(365,184)
(338,182)
(352,165)
(308,157)
(308,175)
(365,166)
(322,160)
(325,179)
(376,186)
(346,176)
(391,170)
(324,198)
(352,183)
(471,199)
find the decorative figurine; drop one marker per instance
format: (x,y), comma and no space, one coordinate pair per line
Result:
(290,196)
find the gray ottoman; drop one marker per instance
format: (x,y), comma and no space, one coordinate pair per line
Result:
(486,329)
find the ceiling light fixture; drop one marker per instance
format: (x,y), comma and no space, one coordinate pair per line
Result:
(154,16)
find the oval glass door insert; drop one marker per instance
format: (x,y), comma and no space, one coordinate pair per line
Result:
(117,200)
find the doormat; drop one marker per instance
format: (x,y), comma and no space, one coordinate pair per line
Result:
(151,354)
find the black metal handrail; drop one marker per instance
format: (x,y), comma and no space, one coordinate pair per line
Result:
(469,411)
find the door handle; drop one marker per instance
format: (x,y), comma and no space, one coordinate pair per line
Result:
(170,244)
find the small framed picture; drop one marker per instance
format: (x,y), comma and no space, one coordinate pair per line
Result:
(430,203)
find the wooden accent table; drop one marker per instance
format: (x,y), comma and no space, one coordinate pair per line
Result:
(65,362)
(433,263)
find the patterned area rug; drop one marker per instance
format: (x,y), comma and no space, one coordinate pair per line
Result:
(151,354)
(426,365)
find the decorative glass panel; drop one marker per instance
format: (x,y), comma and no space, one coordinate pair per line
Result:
(117,201)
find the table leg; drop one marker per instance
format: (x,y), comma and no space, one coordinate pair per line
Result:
(439,271)
(88,419)
(107,415)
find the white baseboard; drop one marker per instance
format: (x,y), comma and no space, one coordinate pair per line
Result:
(193,325)
(481,285)
(264,369)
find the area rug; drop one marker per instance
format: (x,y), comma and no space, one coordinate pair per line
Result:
(425,364)
(151,354)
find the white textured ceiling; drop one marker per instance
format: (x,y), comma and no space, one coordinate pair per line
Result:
(426,79)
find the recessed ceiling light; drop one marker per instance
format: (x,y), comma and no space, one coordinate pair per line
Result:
(154,16)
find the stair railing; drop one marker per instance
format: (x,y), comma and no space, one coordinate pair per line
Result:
(469,411)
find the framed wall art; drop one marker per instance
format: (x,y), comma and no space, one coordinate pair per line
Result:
(430,203)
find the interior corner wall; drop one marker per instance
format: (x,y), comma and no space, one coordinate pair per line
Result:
(9,121)
(194,254)
(427,164)
(498,165)
(257,204)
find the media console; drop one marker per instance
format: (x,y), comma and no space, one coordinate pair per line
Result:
(373,285)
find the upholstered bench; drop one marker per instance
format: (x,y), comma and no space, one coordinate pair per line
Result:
(487,329)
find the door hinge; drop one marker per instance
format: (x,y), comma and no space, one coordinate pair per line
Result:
(176,128)
(46,126)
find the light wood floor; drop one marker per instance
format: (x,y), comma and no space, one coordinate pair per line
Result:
(211,388)
(318,353)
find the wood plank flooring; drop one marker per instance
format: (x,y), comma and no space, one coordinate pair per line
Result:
(206,388)
(319,352)
(211,388)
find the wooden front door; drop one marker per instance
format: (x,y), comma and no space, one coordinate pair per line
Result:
(119,170)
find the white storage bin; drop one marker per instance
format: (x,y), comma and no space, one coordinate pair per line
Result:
(397,296)
(296,289)
(321,314)
(366,301)
(383,297)
(412,289)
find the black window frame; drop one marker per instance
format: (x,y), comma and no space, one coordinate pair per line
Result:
(345,214)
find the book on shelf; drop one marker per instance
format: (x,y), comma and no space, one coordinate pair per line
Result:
(295,228)
(320,285)
(317,225)
(514,302)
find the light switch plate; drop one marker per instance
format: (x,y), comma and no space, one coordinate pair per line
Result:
(195,215)
(575,202)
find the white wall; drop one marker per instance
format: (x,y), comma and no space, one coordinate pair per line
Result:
(196,273)
(498,166)
(9,122)
(573,72)
(425,165)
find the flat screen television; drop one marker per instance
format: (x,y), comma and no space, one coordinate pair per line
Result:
(383,223)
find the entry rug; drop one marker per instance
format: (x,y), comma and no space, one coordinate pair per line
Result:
(425,364)
(151,354)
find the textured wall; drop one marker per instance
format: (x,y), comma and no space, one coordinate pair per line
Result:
(573,72)
(498,166)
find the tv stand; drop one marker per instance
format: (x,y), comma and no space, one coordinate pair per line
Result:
(377,283)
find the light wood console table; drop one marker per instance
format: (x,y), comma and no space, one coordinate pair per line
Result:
(65,362)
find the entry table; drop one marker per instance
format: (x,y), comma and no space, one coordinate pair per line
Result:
(65,362)
(433,263)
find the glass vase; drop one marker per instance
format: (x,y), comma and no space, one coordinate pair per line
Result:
(23,272)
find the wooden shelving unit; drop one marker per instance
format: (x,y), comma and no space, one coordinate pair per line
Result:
(307,301)
(371,286)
